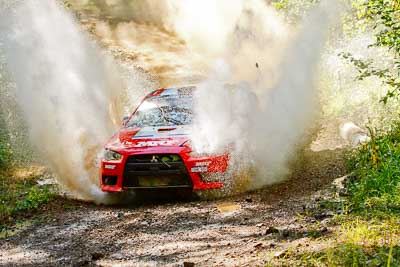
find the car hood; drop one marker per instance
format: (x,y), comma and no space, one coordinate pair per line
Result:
(134,137)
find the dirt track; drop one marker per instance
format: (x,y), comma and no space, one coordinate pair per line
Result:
(235,231)
(249,229)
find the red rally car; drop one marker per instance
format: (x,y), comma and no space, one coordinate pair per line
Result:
(153,148)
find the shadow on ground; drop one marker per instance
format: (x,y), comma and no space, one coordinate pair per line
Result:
(170,232)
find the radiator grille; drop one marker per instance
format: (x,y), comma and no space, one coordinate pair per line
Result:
(155,171)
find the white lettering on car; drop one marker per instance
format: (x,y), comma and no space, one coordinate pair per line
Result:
(109,167)
(154,143)
(203,163)
(199,169)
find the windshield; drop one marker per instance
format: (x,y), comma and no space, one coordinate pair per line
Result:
(163,111)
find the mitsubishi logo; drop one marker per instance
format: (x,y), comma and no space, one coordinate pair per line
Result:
(154,159)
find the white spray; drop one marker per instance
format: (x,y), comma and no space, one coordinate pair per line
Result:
(270,125)
(66,89)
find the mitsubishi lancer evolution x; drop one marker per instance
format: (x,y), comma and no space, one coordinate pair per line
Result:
(153,149)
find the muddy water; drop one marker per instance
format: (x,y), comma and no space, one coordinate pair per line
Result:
(146,45)
(72,93)
(268,115)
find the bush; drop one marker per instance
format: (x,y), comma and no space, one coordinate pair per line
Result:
(376,170)
(5,149)
(21,198)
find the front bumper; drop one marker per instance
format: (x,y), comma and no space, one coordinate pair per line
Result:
(201,172)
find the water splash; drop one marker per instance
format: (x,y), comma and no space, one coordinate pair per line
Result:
(267,124)
(70,92)
(67,89)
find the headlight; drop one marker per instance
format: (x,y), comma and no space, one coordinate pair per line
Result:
(110,155)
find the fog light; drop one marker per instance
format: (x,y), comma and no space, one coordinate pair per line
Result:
(109,180)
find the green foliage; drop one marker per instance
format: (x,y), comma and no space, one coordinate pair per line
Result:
(356,242)
(293,10)
(384,17)
(376,170)
(349,255)
(5,153)
(5,148)
(20,197)
(33,199)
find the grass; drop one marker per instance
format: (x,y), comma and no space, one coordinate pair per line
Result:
(357,242)
(367,233)
(375,187)
(5,148)
(349,254)
(20,195)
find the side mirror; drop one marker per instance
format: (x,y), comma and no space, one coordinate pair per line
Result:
(125,120)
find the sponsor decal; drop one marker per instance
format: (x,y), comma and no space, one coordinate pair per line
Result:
(109,167)
(155,143)
(202,163)
(199,169)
